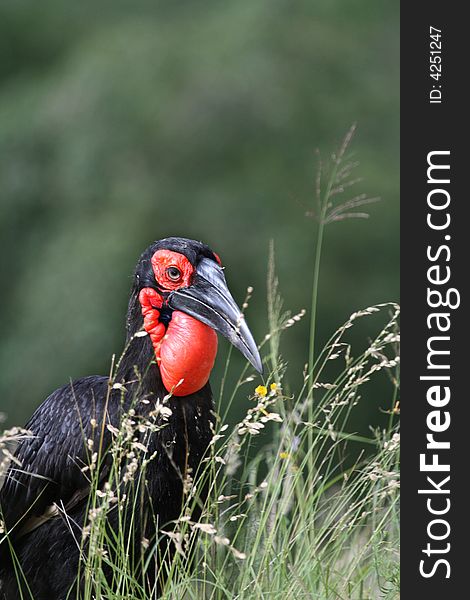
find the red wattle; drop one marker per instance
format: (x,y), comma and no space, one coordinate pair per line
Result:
(151,301)
(187,351)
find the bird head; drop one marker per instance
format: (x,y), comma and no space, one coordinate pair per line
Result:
(184,300)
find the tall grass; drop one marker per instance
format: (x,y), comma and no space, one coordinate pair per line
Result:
(287,514)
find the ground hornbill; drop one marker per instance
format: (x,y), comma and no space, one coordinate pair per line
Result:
(179,300)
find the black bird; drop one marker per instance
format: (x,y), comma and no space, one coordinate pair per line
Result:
(179,299)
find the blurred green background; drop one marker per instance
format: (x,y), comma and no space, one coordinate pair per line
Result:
(121,123)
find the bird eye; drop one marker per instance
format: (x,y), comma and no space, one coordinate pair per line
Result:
(173,273)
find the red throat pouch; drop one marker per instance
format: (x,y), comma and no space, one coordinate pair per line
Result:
(187,351)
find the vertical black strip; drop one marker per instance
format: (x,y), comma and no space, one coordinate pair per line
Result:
(434,127)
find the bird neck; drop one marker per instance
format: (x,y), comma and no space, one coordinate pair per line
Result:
(180,348)
(137,365)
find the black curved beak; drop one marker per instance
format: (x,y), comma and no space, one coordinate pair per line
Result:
(208,299)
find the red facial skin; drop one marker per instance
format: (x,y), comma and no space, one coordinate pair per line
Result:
(186,350)
(162,260)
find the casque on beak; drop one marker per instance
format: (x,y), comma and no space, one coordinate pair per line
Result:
(209,300)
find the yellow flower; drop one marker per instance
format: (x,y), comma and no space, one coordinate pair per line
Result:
(284,455)
(273,387)
(261,390)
